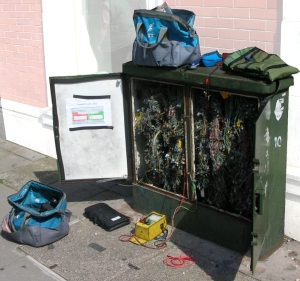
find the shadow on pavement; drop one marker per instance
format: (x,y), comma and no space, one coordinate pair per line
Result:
(212,262)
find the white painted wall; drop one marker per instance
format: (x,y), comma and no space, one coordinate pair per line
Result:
(290,46)
(29,126)
(66,41)
(67,52)
(153,3)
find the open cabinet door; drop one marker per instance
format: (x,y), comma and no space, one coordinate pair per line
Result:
(88,117)
(269,178)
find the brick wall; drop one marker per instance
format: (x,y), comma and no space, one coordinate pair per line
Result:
(229,25)
(22,68)
(225,25)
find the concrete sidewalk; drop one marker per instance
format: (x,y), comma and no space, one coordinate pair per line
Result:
(91,253)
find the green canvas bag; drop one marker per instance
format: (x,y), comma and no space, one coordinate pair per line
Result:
(254,62)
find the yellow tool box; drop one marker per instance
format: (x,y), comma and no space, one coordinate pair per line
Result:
(149,227)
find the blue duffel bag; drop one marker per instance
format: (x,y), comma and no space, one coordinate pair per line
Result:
(38,216)
(165,39)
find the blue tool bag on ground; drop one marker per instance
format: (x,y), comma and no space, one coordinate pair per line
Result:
(165,39)
(38,216)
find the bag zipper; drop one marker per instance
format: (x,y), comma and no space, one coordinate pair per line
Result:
(164,16)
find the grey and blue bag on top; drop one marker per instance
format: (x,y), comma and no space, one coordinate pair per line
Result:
(38,216)
(164,39)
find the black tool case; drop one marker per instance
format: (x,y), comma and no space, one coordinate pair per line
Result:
(105,216)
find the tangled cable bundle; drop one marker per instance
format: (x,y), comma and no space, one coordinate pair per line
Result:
(224,137)
(224,134)
(160,127)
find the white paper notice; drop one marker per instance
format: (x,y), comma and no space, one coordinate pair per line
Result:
(88,113)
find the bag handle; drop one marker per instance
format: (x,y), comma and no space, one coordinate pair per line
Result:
(24,221)
(165,16)
(162,33)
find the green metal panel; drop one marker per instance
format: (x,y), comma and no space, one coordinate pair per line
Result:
(208,223)
(218,79)
(269,177)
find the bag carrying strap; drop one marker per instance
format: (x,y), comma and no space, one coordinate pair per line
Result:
(12,217)
(161,35)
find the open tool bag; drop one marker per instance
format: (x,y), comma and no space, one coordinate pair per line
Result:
(38,216)
(165,38)
(254,62)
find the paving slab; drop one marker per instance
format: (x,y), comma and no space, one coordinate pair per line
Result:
(122,187)
(81,195)
(10,161)
(283,264)
(27,269)
(43,170)
(5,191)
(21,151)
(203,269)
(91,253)
(79,191)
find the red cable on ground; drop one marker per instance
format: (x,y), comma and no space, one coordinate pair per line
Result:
(181,261)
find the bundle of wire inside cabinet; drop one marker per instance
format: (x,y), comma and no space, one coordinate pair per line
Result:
(224,134)
(159,126)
